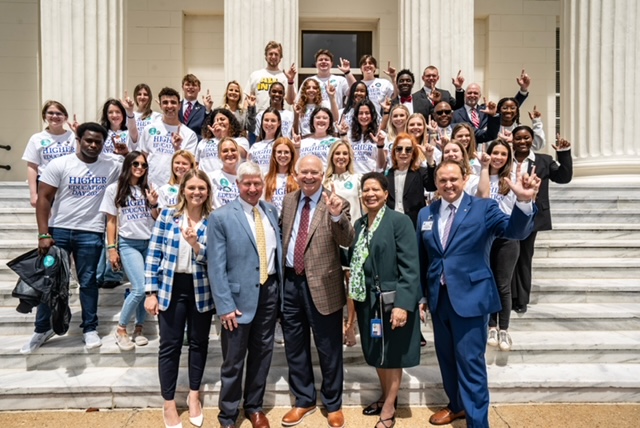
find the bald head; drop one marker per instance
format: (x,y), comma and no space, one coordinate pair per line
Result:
(310,172)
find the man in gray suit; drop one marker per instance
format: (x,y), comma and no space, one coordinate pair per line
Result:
(245,273)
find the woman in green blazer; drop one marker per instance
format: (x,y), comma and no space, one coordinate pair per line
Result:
(385,258)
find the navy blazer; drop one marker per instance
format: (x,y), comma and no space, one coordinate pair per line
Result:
(465,260)
(413,194)
(196,119)
(234,264)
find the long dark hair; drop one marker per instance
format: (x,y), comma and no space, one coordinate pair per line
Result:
(357,132)
(505,171)
(350,103)
(104,120)
(278,134)
(234,125)
(124,181)
(516,118)
(317,110)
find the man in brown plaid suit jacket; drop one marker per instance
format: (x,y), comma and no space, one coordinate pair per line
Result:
(314,292)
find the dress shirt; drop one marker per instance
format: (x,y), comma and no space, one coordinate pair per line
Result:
(399,177)
(313,203)
(524,165)
(185,104)
(269,233)
(408,105)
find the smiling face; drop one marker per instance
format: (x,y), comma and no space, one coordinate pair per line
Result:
(416,127)
(276,92)
(190,91)
(273,57)
(312,89)
(360,92)
(340,159)
(115,117)
(522,141)
(221,126)
(181,166)
(430,77)
(228,154)
(309,175)
(450,182)
(373,195)
(142,98)
(399,118)
(233,92)
(452,152)
(364,116)
(270,124)
(250,189)
(368,69)
(54,117)
(283,155)
(403,153)
(405,84)
(323,63)
(499,158)
(443,114)
(472,95)
(141,169)
(321,123)
(508,111)
(196,192)
(463,136)
(170,105)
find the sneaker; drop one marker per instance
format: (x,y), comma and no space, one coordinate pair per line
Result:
(123,341)
(36,341)
(493,337)
(505,340)
(278,336)
(91,340)
(139,338)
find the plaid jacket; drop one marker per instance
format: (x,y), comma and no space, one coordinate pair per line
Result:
(162,257)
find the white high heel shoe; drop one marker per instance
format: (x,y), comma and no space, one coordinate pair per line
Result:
(196,421)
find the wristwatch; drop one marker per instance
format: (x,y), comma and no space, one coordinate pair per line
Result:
(150,293)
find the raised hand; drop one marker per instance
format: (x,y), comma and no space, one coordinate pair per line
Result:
(485,159)
(506,136)
(524,187)
(378,138)
(333,202)
(331,90)
(428,151)
(207,100)
(176,139)
(291,73)
(344,66)
(524,81)
(458,81)
(152,195)
(386,105)
(432,126)
(296,140)
(127,103)
(189,233)
(561,144)
(74,125)
(490,107)
(343,126)
(250,101)
(535,114)
(435,96)
(390,71)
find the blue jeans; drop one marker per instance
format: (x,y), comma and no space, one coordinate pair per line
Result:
(85,247)
(133,253)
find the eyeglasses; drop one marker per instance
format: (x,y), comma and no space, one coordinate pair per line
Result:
(443,112)
(407,150)
(137,164)
(54,113)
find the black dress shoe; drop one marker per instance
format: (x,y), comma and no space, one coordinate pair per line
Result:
(110,284)
(520,309)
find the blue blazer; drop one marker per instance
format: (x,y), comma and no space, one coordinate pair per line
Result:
(196,119)
(234,265)
(465,261)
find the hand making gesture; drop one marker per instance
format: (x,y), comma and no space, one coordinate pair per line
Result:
(333,202)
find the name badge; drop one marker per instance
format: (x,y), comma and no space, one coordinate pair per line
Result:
(427,226)
(376,328)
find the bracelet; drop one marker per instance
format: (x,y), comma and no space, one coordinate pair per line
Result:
(150,293)
(111,247)
(153,207)
(291,82)
(347,72)
(380,147)
(131,117)
(44,236)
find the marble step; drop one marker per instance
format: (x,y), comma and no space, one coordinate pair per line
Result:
(579,215)
(568,268)
(541,316)
(577,290)
(587,248)
(609,202)
(585,231)
(593,190)
(19,232)
(9,248)
(84,387)
(529,347)
(20,215)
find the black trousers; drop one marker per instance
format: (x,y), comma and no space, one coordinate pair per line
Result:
(255,342)
(521,282)
(504,256)
(182,311)
(299,318)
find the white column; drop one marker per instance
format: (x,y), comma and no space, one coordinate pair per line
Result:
(440,33)
(600,85)
(81,44)
(249,25)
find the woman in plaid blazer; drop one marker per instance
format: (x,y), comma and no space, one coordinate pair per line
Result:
(178,291)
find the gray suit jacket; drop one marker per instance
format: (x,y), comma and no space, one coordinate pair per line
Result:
(234,265)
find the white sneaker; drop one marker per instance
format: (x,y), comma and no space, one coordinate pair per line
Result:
(36,341)
(123,341)
(278,336)
(505,340)
(91,340)
(492,340)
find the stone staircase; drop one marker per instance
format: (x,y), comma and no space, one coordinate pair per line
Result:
(579,341)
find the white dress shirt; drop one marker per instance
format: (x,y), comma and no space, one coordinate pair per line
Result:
(269,233)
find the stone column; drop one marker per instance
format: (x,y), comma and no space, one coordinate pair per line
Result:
(440,33)
(81,44)
(600,85)
(249,25)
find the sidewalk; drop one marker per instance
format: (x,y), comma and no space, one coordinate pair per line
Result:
(500,416)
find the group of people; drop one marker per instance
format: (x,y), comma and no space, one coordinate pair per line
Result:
(360,195)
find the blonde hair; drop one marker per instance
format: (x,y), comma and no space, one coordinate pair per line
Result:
(188,156)
(181,206)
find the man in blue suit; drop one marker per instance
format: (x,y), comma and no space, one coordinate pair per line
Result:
(192,112)
(455,235)
(245,273)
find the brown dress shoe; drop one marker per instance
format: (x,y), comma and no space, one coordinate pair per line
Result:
(445,416)
(336,419)
(259,420)
(296,415)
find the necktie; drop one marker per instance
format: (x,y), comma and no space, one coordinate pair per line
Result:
(187,112)
(301,239)
(262,245)
(406,99)
(474,118)
(447,225)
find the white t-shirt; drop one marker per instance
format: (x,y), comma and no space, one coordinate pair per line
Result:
(157,141)
(279,192)
(339,82)
(43,147)
(134,219)
(260,82)
(286,118)
(472,185)
(260,153)
(120,137)
(168,195)
(224,188)
(317,146)
(346,117)
(365,156)
(207,155)
(81,187)
(506,202)
(379,90)
(142,123)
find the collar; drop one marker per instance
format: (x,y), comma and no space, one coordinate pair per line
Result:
(530,157)
(315,198)
(444,206)
(247,207)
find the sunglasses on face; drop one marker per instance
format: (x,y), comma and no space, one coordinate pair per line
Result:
(407,150)
(137,164)
(443,112)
